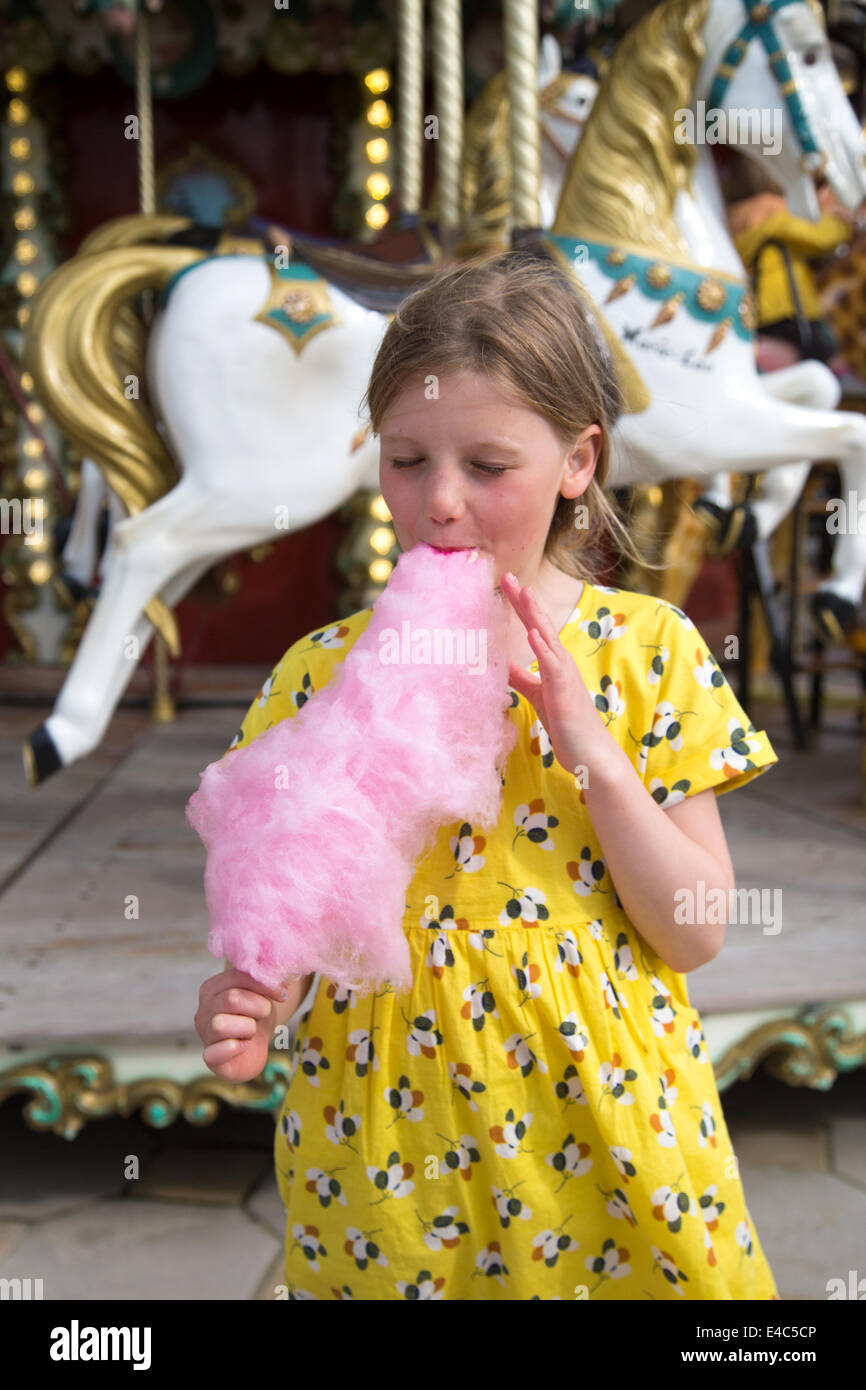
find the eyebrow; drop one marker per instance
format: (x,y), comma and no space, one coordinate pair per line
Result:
(500,444)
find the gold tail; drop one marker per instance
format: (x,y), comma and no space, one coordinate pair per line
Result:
(84,340)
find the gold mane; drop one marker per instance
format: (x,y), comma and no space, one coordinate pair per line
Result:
(627,169)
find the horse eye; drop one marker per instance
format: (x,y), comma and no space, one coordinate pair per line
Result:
(810,57)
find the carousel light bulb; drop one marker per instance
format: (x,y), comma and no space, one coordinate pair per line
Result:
(24,219)
(376,216)
(379,114)
(22,184)
(380,571)
(19,112)
(377,81)
(26,251)
(378,185)
(379,509)
(16,79)
(32,448)
(377,150)
(39,572)
(382,540)
(35,479)
(27,283)
(19,148)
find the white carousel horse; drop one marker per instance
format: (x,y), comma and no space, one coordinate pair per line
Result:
(640,219)
(232,397)
(642,223)
(566,103)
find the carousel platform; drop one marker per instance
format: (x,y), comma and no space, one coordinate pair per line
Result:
(103,924)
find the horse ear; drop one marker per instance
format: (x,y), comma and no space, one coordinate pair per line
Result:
(549,61)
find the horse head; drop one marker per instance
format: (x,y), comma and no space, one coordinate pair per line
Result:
(770,72)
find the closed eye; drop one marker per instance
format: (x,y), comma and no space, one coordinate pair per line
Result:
(485,467)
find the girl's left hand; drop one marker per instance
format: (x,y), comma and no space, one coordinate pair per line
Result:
(558,693)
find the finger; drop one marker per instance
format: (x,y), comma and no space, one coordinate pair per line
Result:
(220,1052)
(245,981)
(224,1026)
(532,614)
(241,1001)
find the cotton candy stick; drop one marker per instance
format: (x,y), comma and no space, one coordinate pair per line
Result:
(314,830)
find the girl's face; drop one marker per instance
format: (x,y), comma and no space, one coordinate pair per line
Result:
(472,467)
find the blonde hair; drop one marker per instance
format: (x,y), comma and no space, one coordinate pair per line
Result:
(516,318)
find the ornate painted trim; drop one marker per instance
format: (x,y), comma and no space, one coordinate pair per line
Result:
(709,296)
(298,305)
(810,1049)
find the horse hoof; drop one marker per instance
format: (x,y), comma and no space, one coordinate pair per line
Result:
(41,757)
(732,528)
(832,617)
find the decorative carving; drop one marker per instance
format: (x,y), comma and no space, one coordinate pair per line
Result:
(808,1049)
(658,275)
(710,294)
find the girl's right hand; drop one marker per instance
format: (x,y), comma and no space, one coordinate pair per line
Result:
(235,1021)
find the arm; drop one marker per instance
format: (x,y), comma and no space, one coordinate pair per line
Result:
(652,853)
(805,238)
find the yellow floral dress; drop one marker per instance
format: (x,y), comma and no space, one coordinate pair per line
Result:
(538,1118)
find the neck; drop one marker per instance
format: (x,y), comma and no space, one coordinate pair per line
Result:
(700,216)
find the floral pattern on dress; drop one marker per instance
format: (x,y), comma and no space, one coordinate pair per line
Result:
(537,1117)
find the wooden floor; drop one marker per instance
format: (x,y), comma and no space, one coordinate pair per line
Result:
(76,965)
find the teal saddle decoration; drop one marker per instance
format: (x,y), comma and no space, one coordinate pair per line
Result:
(706,295)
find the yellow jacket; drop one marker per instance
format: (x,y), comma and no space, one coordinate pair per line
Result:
(804,240)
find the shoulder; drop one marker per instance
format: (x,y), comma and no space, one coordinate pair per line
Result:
(320,651)
(614,613)
(305,667)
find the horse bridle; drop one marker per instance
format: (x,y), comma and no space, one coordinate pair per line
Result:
(760,25)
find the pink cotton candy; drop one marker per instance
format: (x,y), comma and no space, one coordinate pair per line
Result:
(315,829)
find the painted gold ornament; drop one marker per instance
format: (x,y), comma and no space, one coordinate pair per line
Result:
(621,287)
(668,309)
(615,257)
(748,313)
(710,295)
(659,276)
(298,306)
(719,334)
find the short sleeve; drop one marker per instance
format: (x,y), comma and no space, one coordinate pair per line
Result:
(285,691)
(696,734)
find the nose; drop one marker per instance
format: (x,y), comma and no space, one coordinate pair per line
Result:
(443,496)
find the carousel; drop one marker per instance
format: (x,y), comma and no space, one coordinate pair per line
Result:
(214,210)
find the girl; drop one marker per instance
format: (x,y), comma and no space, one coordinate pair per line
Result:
(538,1118)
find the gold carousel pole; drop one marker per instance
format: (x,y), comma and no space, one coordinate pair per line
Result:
(521,75)
(410,76)
(448,87)
(162,706)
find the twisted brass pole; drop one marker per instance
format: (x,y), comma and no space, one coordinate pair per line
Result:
(162,706)
(448,87)
(521,68)
(410,76)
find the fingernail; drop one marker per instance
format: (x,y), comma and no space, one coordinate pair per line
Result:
(244,1045)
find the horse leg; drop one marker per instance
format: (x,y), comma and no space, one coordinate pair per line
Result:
(767,433)
(807,383)
(148,552)
(79,553)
